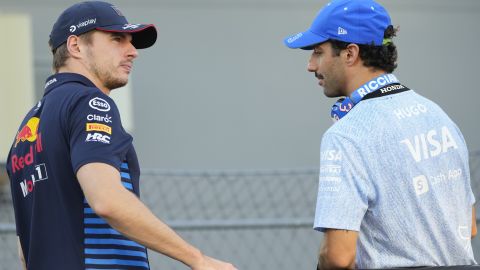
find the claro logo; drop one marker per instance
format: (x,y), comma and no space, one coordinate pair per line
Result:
(99,104)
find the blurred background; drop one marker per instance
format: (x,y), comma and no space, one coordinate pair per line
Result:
(227,121)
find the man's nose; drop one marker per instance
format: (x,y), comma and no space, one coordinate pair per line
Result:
(132,52)
(312,64)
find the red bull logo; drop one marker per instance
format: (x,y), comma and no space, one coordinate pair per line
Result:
(28,132)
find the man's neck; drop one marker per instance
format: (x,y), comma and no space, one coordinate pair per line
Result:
(360,77)
(82,71)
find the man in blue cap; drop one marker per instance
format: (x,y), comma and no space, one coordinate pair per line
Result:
(394,185)
(73,169)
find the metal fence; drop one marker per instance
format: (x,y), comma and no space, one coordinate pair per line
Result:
(257,220)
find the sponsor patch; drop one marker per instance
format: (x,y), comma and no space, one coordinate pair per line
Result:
(130,26)
(47,84)
(292,39)
(99,127)
(331,155)
(74,28)
(410,111)
(97,137)
(431,144)
(99,104)
(28,132)
(40,174)
(101,118)
(420,184)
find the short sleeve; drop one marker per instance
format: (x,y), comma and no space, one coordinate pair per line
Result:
(96,133)
(343,189)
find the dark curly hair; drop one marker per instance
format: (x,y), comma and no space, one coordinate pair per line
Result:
(383,57)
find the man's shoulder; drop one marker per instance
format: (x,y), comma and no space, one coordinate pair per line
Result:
(76,89)
(74,92)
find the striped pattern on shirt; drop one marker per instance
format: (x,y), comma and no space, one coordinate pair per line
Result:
(106,248)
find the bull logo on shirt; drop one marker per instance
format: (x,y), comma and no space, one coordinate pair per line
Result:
(28,132)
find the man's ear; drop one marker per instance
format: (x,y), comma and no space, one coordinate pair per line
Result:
(352,54)
(73,46)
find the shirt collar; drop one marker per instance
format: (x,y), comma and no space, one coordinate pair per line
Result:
(58,79)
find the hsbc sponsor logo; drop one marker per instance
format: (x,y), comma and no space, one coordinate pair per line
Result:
(99,104)
(97,137)
(106,119)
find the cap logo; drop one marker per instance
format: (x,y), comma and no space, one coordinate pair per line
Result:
(130,26)
(342,31)
(74,28)
(297,36)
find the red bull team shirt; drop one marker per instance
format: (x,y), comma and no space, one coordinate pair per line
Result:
(72,125)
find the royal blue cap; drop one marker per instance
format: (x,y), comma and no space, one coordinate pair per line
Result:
(86,16)
(353,21)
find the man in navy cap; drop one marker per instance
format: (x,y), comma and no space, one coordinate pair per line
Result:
(73,169)
(394,185)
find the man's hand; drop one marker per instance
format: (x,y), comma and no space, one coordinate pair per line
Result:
(208,263)
(101,184)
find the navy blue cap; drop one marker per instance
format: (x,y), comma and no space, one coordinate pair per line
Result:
(353,21)
(90,15)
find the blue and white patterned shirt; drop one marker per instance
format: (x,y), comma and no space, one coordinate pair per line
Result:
(395,169)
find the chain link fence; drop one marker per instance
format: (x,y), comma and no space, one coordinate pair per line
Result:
(256,220)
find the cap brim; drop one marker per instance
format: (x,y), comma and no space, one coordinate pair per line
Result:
(304,40)
(143,35)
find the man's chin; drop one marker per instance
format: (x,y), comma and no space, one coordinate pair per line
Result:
(116,84)
(328,93)
(332,94)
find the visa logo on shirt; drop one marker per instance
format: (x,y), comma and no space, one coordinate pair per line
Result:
(331,155)
(431,144)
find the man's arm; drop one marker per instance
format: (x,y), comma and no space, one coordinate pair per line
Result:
(104,192)
(20,254)
(338,249)
(474,223)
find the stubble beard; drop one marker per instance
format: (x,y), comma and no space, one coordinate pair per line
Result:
(334,83)
(107,79)
(106,76)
